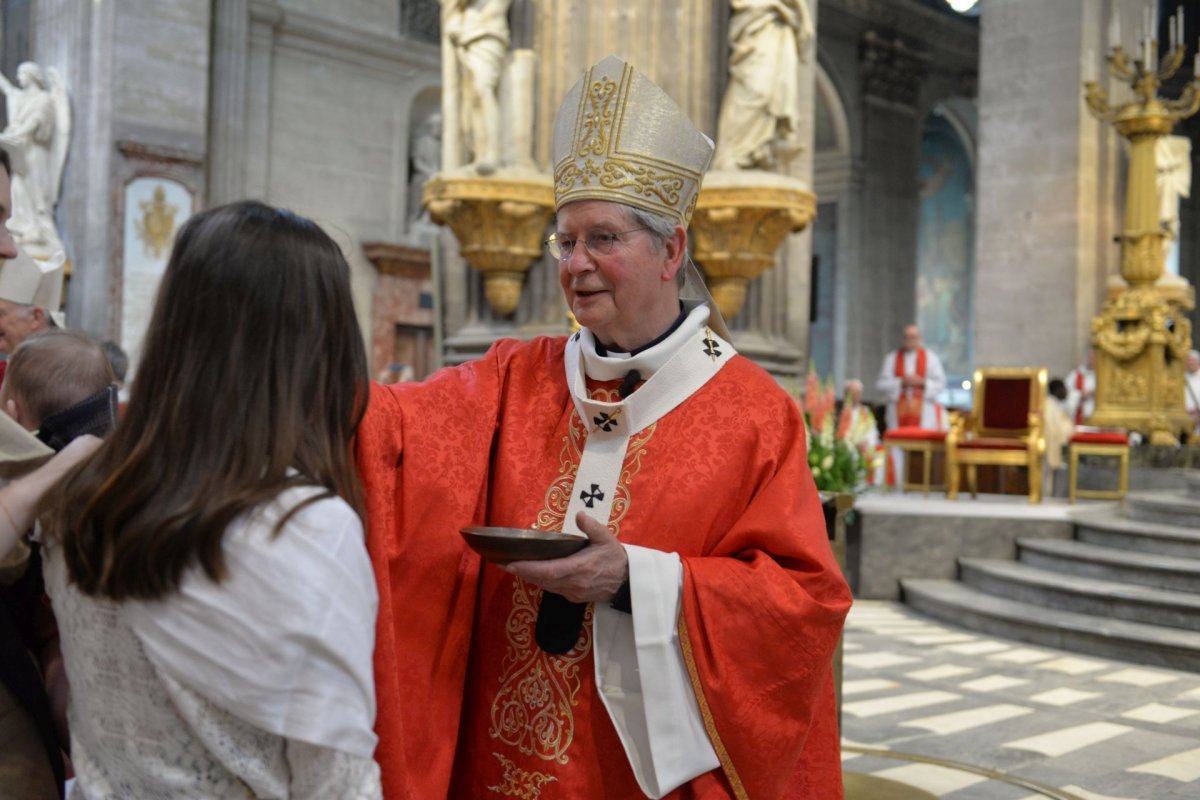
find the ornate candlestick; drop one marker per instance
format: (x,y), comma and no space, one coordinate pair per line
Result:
(1142,336)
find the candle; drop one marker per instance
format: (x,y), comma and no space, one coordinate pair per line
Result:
(1114,30)
(1171,32)
(1089,66)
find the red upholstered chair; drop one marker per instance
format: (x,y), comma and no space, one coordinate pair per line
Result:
(1005,428)
(914,439)
(1098,443)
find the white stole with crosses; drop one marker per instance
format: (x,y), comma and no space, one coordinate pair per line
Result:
(637,656)
(673,371)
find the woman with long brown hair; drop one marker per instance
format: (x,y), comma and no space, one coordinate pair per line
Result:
(207,564)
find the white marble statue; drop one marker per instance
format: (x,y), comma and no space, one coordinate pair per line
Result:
(426,160)
(1173,156)
(760,113)
(36,138)
(478,32)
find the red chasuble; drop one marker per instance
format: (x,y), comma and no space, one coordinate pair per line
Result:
(722,480)
(912,398)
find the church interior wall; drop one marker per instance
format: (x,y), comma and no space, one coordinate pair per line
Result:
(328,128)
(890,62)
(1040,151)
(368,15)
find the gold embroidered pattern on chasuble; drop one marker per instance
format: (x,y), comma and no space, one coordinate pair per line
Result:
(533,710)
(518,782)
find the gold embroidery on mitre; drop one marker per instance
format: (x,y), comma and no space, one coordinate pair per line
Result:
(520,783)
(534,709)
(620,137)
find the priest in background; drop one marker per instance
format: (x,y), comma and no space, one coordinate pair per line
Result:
(910,380)
(1081,389)
(686,650)
(1191,389)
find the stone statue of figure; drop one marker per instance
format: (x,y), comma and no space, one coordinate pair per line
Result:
(39,128)
(760,113)
(1173,156)
(478,31)
(426,160)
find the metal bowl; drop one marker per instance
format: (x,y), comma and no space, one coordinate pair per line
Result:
(502,545)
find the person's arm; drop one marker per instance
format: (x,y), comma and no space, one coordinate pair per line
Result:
(935,377)
(19,499)
(640,672)
(888,384)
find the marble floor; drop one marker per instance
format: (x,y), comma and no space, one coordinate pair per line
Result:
(964,716)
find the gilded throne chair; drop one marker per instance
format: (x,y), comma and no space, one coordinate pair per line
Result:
(1005,428)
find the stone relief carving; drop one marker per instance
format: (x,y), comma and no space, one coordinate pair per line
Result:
(36,138)
(760,112)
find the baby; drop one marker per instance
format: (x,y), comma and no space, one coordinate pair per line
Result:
(59,384)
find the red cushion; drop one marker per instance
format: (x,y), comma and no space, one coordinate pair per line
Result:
(1099,437)
(914,433)
(1006,403)
(991,444)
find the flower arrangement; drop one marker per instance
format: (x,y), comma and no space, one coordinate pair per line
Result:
(841,454)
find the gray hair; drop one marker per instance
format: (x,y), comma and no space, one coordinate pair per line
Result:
(661,227)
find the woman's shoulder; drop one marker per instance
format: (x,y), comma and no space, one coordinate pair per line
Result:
(309,513)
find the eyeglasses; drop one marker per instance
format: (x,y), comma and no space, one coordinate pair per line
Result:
(598,244)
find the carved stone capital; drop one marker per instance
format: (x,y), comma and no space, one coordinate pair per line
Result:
(740,221)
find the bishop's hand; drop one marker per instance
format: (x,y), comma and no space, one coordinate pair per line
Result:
(593,575)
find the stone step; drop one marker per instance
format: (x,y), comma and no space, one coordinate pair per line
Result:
(1191,480)
(1109,530)
(968,607)
(1170,508)
(1106,563)
(1055,590)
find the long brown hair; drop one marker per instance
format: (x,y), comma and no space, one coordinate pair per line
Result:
(252,379)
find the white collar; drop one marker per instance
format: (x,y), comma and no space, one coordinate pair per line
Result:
(614,366)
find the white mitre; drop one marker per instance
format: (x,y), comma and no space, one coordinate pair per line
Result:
(30,282)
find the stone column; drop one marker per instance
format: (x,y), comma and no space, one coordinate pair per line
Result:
(227,123)
(890,77)
(1047,181)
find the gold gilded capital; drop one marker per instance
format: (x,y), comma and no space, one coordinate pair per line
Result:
(741,219)
(499,220)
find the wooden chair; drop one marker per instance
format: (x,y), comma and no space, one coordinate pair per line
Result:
(1004,429)
(1114,444)
(912,439)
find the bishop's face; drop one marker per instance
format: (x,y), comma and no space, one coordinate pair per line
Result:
(628,296)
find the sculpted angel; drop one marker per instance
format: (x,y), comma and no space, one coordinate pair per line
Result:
(39,127)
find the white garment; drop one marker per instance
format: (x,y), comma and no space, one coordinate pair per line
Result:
(888,384)
(260,685)
(640,672)
(1191,391)
(1086,397)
